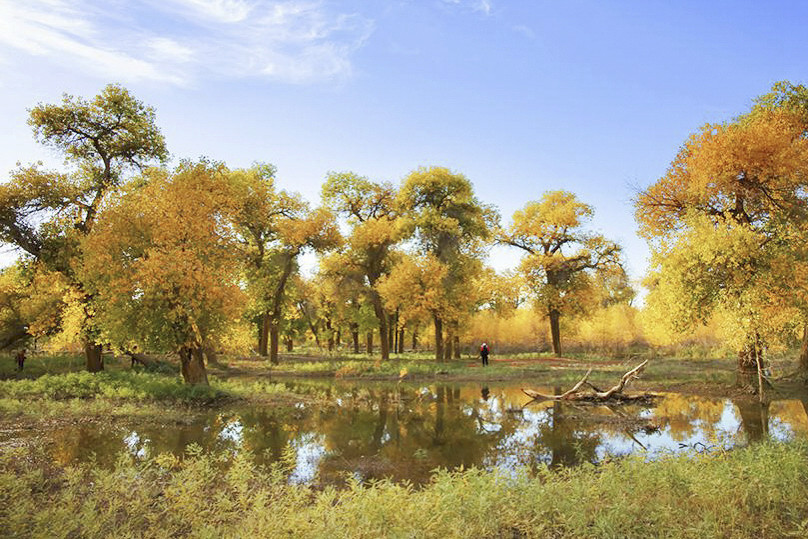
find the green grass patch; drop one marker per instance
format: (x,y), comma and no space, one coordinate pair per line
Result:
(114,385)
(761,491)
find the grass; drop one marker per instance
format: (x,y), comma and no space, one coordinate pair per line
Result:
(61,376)
(56,386)
(761,491)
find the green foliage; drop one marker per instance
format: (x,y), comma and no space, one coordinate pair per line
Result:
(112,385)
(112,130)
(761,491)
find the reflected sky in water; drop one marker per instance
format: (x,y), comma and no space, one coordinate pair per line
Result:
(405,431)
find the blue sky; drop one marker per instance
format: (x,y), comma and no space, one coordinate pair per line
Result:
(522,97)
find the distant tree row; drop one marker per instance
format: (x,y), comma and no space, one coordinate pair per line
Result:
(120,250)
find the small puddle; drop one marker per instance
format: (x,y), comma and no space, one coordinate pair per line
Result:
(405,431)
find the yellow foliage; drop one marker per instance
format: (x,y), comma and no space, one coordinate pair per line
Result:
(162,264)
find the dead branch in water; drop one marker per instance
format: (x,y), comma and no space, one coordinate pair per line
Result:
(613,394)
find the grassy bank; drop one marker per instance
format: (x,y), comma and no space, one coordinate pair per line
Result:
(53,387)
(760,491)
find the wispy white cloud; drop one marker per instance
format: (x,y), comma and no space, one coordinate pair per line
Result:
(482,6)
(525,31)
(222,11)
(179,41)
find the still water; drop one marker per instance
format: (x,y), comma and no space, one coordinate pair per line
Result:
(404,431)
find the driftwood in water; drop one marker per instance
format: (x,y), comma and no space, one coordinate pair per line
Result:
(614,393)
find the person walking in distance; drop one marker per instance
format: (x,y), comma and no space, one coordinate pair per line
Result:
(484,354)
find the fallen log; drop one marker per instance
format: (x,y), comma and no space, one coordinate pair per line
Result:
(614,393)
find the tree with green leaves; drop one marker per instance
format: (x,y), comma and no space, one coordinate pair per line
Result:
(450,228)
(370,210)
(47,213)
(274,227)
(561,257)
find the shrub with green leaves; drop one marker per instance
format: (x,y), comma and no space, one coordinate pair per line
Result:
(761,491)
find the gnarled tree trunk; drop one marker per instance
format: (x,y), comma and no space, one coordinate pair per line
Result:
(94,356)
(192,366)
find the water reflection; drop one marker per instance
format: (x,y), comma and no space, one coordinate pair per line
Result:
(403,432)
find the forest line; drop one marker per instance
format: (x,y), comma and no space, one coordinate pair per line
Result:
(122,251)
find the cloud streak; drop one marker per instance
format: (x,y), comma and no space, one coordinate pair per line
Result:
(481,6)
(182,41)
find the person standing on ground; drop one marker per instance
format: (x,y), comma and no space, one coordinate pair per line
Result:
(484,354)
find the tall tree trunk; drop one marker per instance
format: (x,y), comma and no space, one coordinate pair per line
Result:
(456,345)
(290,344)
(370,342)
(355,337)
(330,332)
(396,334)
(94,356)
(438,337)
(448,344)
(263,335)
(192,366)
(338,337)
(276,312)
(555,330)
(273,343)
(384,332)
(395,342)
(401,341)
(415,339)
(803,364)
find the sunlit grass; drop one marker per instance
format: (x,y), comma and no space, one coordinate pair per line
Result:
(761,491)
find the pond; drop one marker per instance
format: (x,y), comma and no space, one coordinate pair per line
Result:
(404,431)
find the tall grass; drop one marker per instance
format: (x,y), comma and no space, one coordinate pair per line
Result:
(761,491)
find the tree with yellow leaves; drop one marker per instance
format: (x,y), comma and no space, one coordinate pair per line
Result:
(561,258)
(370,210)
(163,265)
(47,213)
(716,221)
(450,228)
(275,227)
